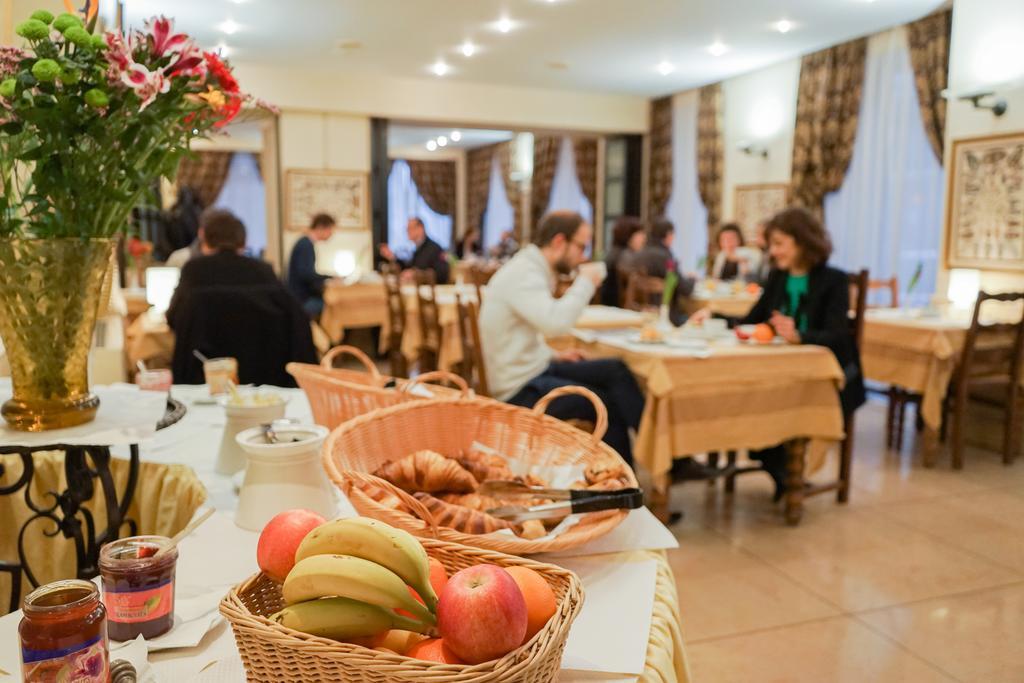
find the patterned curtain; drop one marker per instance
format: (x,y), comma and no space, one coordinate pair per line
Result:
(929,55)
(710,153)
(435,181)
(505,154)
(585,150)
(660,172)
(478,180)
(205,172)
(828,106)
(545,161)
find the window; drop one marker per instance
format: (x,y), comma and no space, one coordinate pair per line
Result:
(405,202)
(499,216)
(685,208)
(243,194)
(566,193)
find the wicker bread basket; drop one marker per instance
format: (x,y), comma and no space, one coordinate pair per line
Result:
(337,395)
(358,447)
(272,653)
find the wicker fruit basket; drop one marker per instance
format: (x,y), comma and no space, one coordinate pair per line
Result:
(272,653)
(338,395)
(358,447)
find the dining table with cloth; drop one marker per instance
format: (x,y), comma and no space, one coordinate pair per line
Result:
(193,444)
(726,396)
(351,306)
(729,299)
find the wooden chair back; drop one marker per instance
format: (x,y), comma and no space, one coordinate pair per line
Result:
(892,284)
(396,318)
(479,277)
(430,319)
(643,291)
(859,283)
(472,368)
(994,350)
(621,276)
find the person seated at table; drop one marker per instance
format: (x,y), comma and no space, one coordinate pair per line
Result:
(227,304)
(303,281)
(428,254)
(507,246)
(470,246)
(628,238)
(657,260)
(520,310)
(806,302)
(734,259)
(759,275)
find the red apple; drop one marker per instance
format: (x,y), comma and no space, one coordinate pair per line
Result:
(280,538)
(482,614)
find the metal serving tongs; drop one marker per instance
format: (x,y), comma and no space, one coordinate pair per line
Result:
(569,501)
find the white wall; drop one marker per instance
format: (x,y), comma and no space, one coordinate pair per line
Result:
(329,141)
(759,108)
(987,51)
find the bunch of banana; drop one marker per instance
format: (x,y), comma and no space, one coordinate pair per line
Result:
(349,577)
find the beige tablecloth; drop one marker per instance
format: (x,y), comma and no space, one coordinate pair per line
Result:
(353,306)
(741,397)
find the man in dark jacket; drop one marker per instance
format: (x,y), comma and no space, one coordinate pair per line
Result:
(303,281)
(657,260)
(428,255)
(231,305)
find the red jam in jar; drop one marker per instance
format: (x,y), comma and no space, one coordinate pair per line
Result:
(64,634)
(138,587)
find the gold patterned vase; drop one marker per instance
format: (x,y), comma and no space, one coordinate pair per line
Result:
(50,294)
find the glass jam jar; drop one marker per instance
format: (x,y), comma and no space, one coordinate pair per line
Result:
(138,588)
(64,634)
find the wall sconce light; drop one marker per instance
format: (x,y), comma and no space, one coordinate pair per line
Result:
(750,149)
(998,107)
(964,284)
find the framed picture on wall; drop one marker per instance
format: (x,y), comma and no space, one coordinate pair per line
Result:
(342,194)
(985,203)
(755,204)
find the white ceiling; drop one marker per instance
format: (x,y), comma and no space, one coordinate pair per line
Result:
(601,45)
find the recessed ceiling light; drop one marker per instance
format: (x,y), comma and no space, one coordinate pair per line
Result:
(455,136)
(442,141)
(504,25)
(718,48)
(439,68)
(665,68)
(431,145)
(229,27)
(239,2)
(783,25)
(468,49)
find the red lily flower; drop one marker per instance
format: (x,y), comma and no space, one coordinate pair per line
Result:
(162,40)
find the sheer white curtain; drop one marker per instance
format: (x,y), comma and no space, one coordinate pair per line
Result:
(243,194)
(685,208)
(405,202)
(566,193)
(499,215)
(887,217)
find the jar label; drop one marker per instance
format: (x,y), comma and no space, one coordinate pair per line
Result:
(85,663)
(133,606)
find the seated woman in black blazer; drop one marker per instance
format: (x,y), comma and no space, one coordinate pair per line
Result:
(806,302)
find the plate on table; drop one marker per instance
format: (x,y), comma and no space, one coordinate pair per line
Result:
(640,339)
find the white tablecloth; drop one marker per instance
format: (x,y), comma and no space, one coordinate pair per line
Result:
(220,555)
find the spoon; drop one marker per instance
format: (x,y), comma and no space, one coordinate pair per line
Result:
(178,537)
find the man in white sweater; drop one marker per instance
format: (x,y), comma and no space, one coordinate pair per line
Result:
(519,310)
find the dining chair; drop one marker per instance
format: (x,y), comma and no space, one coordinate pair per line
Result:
(471,368)
(622,276)
(989,362)
(479,277)
(643,291)
(892,284)
(396,319)
(429,317)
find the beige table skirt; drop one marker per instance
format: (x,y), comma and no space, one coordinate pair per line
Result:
(666,655)
(166,497)
(353,306)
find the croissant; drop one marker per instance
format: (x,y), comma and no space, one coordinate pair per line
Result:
(473,501)
(488,459)
(384,497)
(600,471)
(462,518)
(427,471)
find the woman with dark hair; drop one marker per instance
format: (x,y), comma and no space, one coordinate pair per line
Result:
(806,302)
(628,238)
(734,258)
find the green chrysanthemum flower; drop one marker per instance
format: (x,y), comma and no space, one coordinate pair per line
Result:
(96,98)
(99,42)
(70,76)
(66,21)
(79,36)
(43,16)
(33,29)
(46,70)
(7,88)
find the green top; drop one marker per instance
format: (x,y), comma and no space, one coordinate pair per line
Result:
(796,289)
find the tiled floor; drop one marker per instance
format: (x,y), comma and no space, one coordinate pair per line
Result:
(919,578)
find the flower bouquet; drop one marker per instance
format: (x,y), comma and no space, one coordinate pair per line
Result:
(88,122)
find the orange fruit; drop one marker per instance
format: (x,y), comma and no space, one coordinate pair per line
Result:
(540,599)
(438,579)
(753,288)
(433,650)
(763,333)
